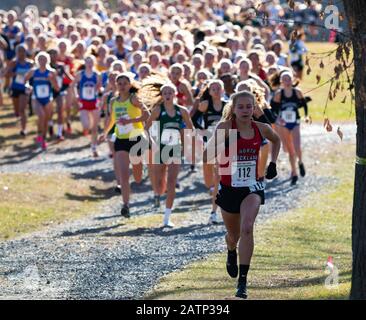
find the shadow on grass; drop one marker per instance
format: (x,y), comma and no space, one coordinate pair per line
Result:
(96,194)
(99,174)
(62,151)
(227,286)
(297,283)
(90,231)
(164,231)
(10,124)
(107,217)
(22,154)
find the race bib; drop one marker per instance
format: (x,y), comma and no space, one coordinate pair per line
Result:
(125,128)
(259,186)
(20,79)
(243,173)
(12,43)
(42,91)
(289,116)
(170,137)
(88,93)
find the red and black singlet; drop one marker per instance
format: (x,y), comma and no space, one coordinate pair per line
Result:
(241,165)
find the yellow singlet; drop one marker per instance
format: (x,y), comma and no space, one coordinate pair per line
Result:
(125,109)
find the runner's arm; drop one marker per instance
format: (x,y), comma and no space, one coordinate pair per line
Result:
(153,116)
(185,87)
(303,103)
(268,133)
(187,119)
(53,80)
(276,103)
(145,112)
(74,85)
(28,75)
(9,69)
(214,144)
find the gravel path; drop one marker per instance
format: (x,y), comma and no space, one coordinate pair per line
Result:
(102,257)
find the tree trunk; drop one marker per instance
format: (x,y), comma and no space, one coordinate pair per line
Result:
(356,14)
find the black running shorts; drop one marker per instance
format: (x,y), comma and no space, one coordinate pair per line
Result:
(229,198)
(126,145)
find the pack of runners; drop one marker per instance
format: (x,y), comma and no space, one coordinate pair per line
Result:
(165,84)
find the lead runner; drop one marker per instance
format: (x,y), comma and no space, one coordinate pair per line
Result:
(240,192)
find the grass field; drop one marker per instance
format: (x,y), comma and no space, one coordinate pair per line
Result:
(56,198)
(336,110)
(31,201)
(291,250)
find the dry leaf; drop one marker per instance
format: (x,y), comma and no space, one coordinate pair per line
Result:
(330,96)
(307,61)
(340,133)
(329,127)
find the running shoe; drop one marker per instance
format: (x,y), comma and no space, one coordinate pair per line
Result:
(156,201)
(167,222)
(117,189)
(23,133)
(68,128)
(44,145)
(302,169)
(232,263)
(50,131)
(177,185)
(125,211)
(193,168)
(60,138)
(241,290)
(294,180)
(39,141)
(85,132)
(213,218)
(95,154)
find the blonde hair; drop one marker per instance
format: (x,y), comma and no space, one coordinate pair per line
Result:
(228,112)
(150,91)
(257,91)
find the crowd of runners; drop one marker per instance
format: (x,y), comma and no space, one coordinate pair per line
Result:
(166,84)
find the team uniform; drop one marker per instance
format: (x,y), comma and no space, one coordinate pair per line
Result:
(18,83)
(181,98)
(129,134)
(212,117)
(42,88)
(288,110)
(69,66)
(60,74)
(88,94)
(243,180)
(170,135)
